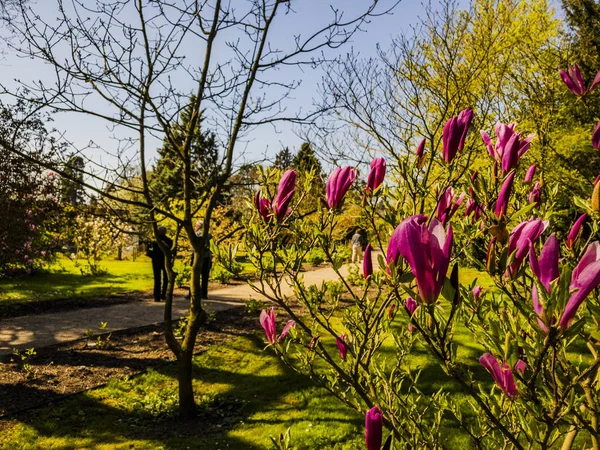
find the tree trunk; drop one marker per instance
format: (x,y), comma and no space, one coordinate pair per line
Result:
(187,404)
(196,318)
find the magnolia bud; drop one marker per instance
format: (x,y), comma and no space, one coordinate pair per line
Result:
(490,261)
(596,198)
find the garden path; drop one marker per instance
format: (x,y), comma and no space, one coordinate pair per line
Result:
(41,330)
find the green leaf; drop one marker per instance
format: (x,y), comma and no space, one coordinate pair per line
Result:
(583,204)
(522,212)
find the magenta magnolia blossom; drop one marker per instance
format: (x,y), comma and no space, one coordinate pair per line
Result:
(530,173)
(545,269)
(472,207)
(280,205)
(596,137)
(338,184)
(535,196)
(367,262)
(285,192)
(342,346)
(477,291)
(262,205)
(421,148)
(411,307)
(504,195)
(518,242)
(503,376)
(575,231)
(574,81)
(585,278)
(376,175)
(448,204)
(455,133)
(374,428)
(393,251)
(509,146)
(427,251)
(267,320)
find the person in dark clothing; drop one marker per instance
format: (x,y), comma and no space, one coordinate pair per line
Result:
(158,264)
(207,262)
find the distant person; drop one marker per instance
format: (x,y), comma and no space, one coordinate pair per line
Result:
(357,245)
(158,264)
(207,261)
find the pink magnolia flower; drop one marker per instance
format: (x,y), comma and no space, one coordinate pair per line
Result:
(420,154)
(338,184)
(472,207)
(285,192)
(575,231)
(427,251)
(376,175)
(374,428)
(574,81)
(421,148)
(509,146)
(477,291)
(393,251)
(267,321)
(585,278)
(411,307)
(518,242)
(530,173)
(504,195)
(535,196)
(342,346)
(262,206)
(503,376)
(455,133)
(448,204)
(280,205)
(545,269)
(596,137)
(367,262)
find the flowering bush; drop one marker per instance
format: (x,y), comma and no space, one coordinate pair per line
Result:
(96,238)
(28,194)
(515,366)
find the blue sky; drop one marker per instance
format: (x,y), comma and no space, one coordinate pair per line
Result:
(265,141)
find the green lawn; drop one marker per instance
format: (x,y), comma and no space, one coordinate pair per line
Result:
(64,280)
(245,395)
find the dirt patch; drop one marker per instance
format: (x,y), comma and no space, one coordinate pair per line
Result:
(57,371)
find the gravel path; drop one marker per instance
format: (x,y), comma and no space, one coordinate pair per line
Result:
(40,330)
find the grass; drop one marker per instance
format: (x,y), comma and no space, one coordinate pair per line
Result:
(64,280)
(245,395)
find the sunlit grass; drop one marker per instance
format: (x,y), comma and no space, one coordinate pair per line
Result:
(64,280)
(244,394)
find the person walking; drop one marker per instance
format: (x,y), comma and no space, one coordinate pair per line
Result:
(357,245)
(158,264)
(207,260)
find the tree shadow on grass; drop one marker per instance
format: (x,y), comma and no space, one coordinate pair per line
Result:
(238,386)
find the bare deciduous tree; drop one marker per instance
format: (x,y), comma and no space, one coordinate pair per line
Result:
(135,64)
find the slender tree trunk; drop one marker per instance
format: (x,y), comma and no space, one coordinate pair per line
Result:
(197,318)
(187,404)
